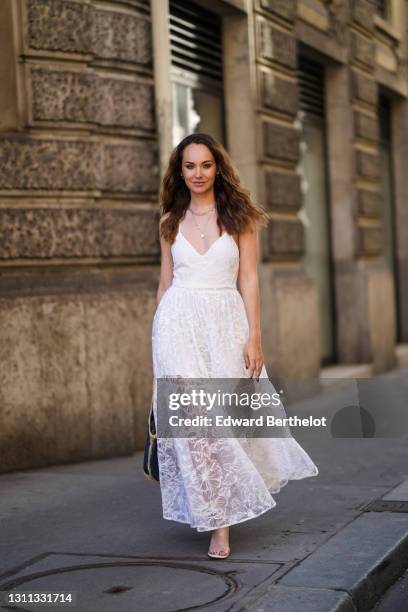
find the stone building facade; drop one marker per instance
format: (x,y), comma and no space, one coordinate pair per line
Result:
(87,120)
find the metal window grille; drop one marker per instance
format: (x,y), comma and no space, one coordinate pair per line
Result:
(195,39)
(311,86)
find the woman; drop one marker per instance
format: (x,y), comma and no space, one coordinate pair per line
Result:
(205,328)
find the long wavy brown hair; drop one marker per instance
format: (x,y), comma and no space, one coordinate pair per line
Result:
(235,209)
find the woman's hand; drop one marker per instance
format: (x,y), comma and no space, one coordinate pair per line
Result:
(253,356)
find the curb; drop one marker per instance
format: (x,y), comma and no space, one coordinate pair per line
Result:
(352,570)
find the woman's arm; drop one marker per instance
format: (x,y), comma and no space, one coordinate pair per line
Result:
(249,288)
(166,267)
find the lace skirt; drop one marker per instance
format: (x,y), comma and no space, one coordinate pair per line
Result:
(205,482)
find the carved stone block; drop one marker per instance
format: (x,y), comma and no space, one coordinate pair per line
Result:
(283,8)
(78,165)
(73,27)
(369,202)
(285,237)
(282,190)
(363,87)
(120,36)
(279,93)
(280,142)
(276,45)
(362,49)
(130,168)
(62,95)
(59,25)
(365,126)
(369,241)
(44,233)
(367,164)
(363,13)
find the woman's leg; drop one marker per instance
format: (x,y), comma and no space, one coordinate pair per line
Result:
(219,543)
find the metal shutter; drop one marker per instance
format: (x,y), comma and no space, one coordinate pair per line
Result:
(311,86)
(195,39)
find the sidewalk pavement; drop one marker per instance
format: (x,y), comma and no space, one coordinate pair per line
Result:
(95,529)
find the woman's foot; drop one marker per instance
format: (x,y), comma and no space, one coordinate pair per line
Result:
(219,544)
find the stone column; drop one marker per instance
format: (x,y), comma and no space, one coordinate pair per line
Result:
(289,296)
(78,218)
(375,309)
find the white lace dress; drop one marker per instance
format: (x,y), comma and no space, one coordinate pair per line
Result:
(199,330)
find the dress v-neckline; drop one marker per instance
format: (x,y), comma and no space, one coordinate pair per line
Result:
(194,249)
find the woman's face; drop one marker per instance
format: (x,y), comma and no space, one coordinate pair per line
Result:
(198,168)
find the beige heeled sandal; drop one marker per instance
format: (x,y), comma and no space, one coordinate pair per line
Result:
(221,555)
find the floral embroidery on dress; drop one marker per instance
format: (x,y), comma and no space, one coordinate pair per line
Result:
(199,330)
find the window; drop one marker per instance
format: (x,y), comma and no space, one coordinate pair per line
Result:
(382,8)
(387,192)
(315,211)
(196,71)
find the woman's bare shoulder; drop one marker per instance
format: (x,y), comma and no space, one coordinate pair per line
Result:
(243,236)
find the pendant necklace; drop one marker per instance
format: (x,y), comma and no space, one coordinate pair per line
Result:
(202,234)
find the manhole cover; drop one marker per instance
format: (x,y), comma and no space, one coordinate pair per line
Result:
(127,585)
